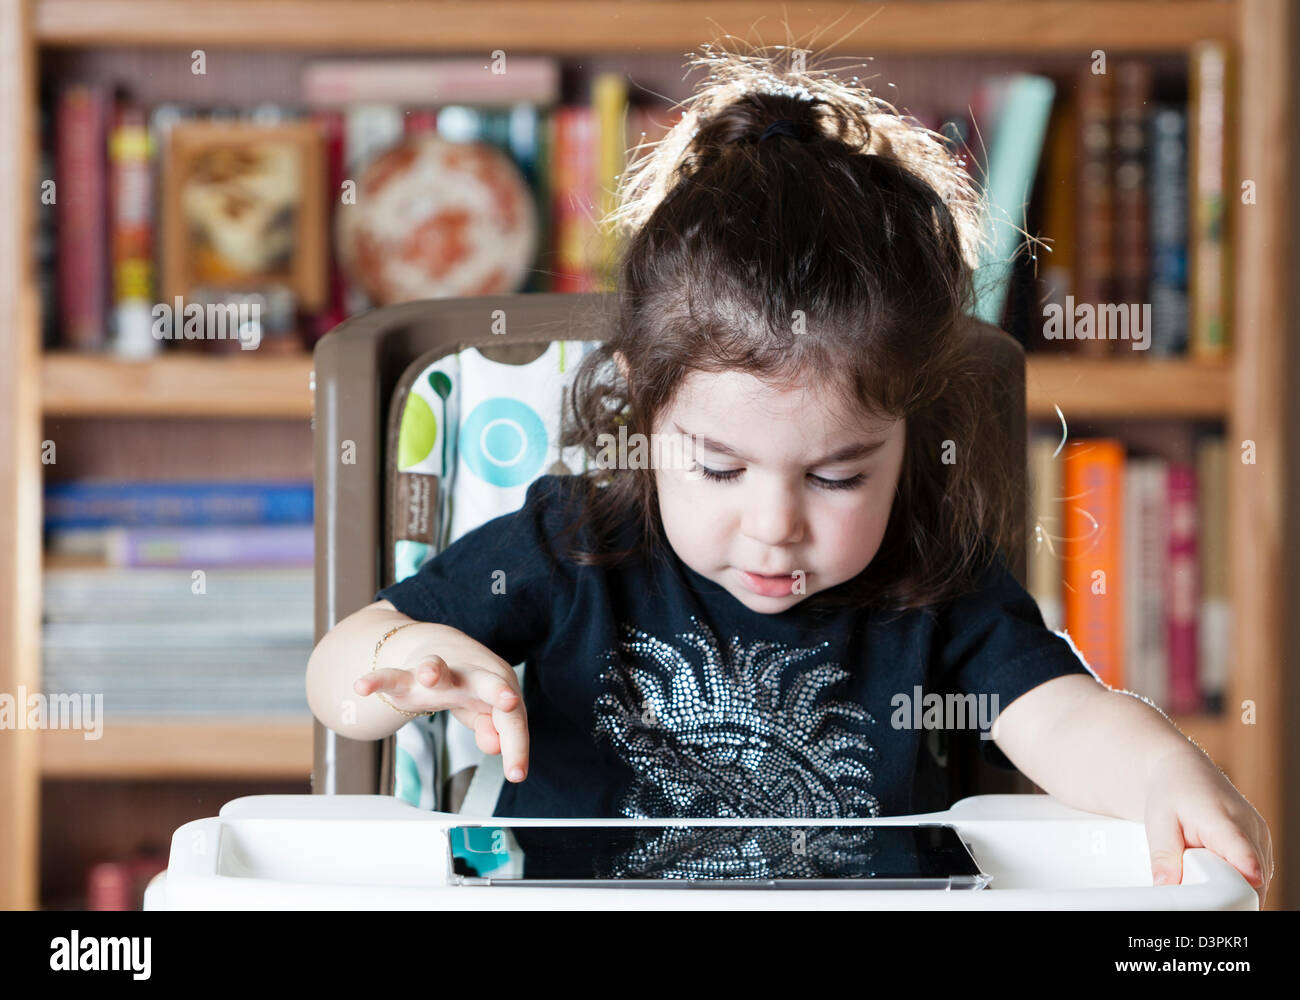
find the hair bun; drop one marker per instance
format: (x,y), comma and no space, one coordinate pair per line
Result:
(782,126)
(748,97)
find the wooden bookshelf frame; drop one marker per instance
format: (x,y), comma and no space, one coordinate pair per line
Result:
(580,26)
(273,749)
(74,384)
(1256,391)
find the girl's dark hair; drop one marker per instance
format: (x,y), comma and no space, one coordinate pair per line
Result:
(864,223)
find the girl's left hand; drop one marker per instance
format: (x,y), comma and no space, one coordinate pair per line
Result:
(1191,803)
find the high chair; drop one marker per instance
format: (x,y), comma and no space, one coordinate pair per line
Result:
(392,387)
(395,390)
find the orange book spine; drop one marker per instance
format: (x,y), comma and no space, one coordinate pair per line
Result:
(572,210)
(1094,511)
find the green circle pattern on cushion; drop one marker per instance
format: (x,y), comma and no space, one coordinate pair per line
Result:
(418,434)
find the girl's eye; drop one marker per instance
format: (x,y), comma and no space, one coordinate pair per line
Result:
(727,475)
(841,484)
(716,475)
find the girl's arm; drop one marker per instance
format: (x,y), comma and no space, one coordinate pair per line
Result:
(1088,745)
(425,667)
(344,654)
(1110,752)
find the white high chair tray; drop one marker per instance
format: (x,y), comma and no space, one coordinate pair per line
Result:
(380,852)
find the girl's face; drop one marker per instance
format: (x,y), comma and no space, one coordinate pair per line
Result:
(788,507)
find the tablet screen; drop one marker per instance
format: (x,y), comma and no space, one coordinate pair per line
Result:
(928,855)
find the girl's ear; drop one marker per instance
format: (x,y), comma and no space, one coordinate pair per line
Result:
(622,364)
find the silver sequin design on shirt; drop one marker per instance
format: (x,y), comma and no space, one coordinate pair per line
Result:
(752,732)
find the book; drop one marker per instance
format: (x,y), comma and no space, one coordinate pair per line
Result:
(574,235)
(1182,585)
(1133,88)
(120,884)
(45,233)
(82,226)
(131,230)
(1207,241)
(1013,162)
(1145,556)
(210,546)
(500,82)
(1059,193)
(1094,559)
(331,124)
(1094,273)
(235,598)
(610,105)
(1168,206)
(93,504)
(1214,622)
(1047,530)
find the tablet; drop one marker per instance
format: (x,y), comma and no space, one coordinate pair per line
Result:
(754,856)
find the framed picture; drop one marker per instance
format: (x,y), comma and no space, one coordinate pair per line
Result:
(244,208)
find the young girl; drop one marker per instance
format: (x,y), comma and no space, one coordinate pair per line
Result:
(749,631)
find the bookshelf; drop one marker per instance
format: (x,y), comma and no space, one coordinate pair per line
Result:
(74,384)
(572,26)
(274,749)
(1250,392)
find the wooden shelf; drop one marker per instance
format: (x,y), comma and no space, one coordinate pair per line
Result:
(583,26)
(200,748)
(1153,388)
(196,386)
(178,385)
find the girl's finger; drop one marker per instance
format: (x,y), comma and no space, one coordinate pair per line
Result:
(485,735)
(422,664)
(512,729)
(1231,844)
(1165,841)
(388,679)
(467,716)
(429,670)
(493,690)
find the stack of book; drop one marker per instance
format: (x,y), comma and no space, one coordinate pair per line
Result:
(106,156)
(1133,199)
(179,598)
(1119,173)
(1129,557)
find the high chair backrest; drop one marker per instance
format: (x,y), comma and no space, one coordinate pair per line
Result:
(397,391)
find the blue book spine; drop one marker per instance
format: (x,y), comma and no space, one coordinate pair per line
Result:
(74,505)
(1168,205)
(1013,163)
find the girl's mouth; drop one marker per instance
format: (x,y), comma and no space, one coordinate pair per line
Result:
(768,586)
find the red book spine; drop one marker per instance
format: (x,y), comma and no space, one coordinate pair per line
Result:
(82,225)
(109,886)
(573,152)
(1183,589)
(331,128)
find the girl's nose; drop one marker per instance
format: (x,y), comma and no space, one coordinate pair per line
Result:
(772,516)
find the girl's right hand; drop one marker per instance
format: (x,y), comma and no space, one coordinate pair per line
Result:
(466,678)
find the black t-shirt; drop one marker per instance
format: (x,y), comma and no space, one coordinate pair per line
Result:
(653,692)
